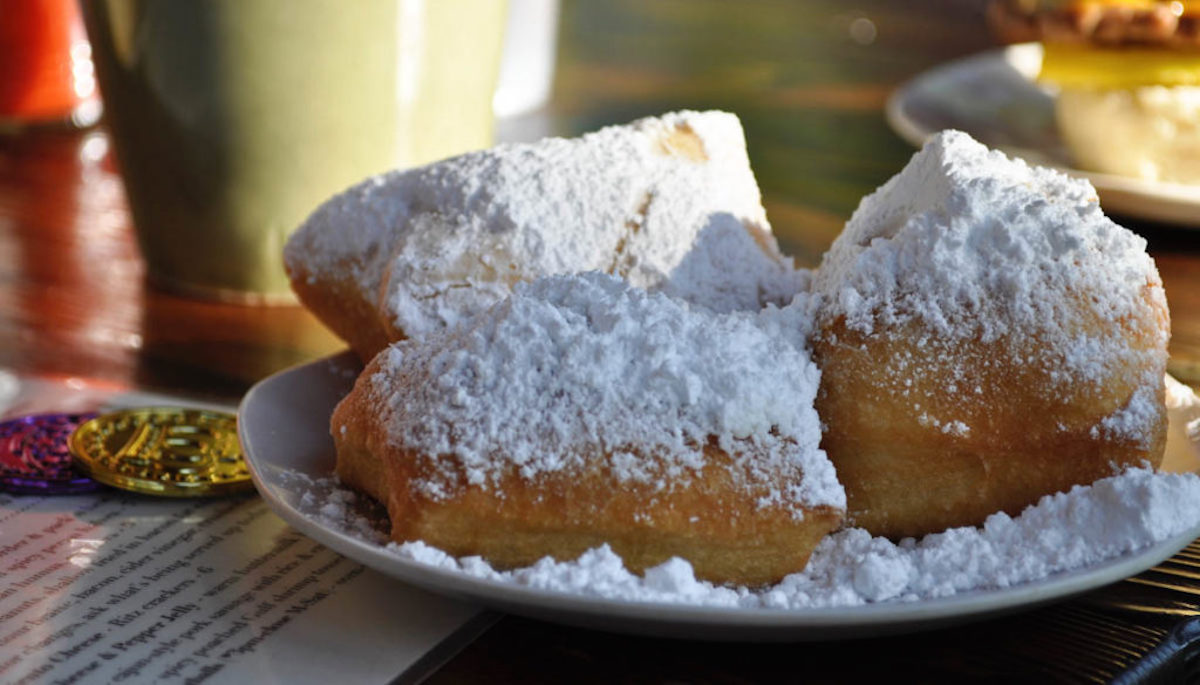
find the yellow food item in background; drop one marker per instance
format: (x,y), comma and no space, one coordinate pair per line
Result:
(1078,66)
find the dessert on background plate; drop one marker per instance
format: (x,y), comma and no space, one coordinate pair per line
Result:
(1127,80)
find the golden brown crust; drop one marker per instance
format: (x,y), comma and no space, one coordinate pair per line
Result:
(713,522)
(928,434)
(1108,25)
(339,304)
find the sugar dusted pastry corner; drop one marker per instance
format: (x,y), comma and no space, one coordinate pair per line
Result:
(667,203)
(582,411)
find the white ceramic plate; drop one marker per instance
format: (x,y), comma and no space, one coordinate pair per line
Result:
(992,96)
(283,424)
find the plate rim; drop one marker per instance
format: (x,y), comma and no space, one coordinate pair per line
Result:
(678,619)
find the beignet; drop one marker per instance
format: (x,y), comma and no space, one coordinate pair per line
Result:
(985,336)
(668,203)
(582,411)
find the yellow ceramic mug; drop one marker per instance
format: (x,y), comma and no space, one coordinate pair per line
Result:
(233,119)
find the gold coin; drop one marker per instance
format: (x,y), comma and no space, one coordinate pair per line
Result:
(171,452)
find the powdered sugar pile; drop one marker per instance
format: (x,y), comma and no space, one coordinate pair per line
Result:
(667,202)
(973,243)
(570,365)
(1086,526)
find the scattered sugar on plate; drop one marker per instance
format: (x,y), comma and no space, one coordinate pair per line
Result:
(338,508)
(1113,517)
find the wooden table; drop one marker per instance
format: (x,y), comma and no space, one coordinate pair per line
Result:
(809,80)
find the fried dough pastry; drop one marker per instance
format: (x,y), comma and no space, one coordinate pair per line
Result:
(582,411)
(667,203)
(986,336)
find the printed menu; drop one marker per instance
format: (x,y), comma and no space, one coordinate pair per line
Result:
(123,588)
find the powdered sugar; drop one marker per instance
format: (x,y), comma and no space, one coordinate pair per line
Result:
(667,202)
(344,510)
(973,243)
(1065,531)
(1062,532)
(570,366)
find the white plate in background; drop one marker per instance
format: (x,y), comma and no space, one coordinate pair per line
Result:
(992,97)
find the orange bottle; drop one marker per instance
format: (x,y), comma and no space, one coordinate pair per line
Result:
(46,73)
